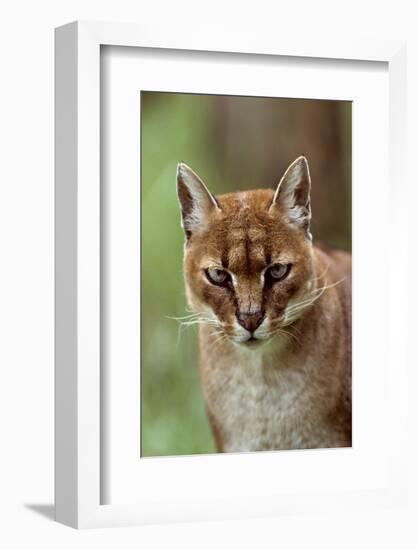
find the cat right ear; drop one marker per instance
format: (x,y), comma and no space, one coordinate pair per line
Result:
(293,194)
(196,201)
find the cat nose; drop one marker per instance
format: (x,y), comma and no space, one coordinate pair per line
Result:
(250,321)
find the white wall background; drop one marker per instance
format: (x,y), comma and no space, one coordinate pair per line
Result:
(26,272)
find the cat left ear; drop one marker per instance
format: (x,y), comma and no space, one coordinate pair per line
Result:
(293,194)
(195,200)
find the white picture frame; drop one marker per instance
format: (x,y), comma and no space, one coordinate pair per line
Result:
(78,404)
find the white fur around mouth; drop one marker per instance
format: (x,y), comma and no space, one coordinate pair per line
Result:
(252,342)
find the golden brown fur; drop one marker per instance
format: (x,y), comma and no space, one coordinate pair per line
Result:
(275,334)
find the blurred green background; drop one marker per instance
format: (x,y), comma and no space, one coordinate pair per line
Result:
(233,143)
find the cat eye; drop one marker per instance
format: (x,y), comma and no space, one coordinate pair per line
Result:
(218,276)
(278,272)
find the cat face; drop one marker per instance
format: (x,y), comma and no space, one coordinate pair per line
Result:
(248,255)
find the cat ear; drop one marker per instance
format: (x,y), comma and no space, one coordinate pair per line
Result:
(195,199)
(293,194)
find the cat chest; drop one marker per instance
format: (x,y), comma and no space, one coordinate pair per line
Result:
(260,412)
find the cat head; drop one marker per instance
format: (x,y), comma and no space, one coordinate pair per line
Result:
(248,255)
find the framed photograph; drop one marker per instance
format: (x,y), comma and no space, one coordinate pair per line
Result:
(217,205)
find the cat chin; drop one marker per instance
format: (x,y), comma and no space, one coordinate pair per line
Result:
(251,343)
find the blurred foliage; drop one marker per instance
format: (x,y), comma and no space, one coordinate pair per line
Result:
(233,143)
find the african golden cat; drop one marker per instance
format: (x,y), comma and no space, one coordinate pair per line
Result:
(274,312)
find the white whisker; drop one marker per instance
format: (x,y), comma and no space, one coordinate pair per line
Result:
(280,330)
(194,319)
(311,299)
